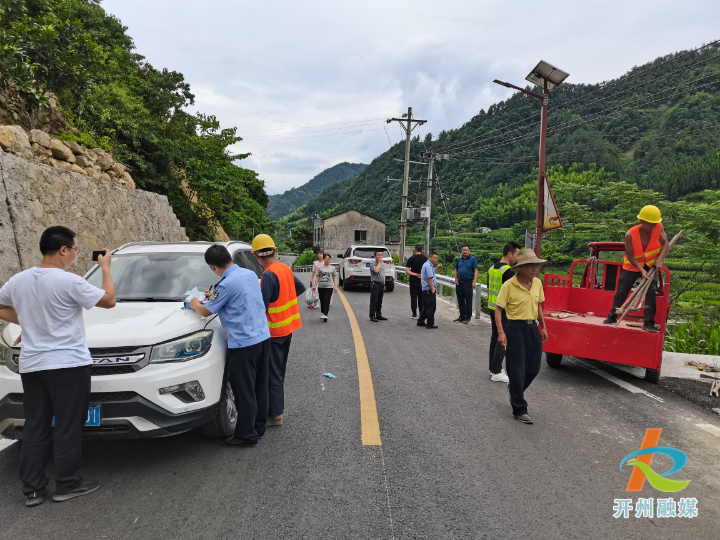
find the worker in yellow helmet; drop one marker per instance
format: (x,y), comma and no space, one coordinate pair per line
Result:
(646,245)
(280,289)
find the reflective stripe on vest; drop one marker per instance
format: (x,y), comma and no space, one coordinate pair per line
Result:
(283,315)
(646,258)
(495,284)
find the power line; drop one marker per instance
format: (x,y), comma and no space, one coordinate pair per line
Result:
(308,127)
(313,136)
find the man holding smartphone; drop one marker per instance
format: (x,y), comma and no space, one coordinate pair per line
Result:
(47,302)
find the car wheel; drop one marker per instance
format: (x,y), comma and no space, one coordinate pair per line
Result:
(346,285)
(389,287)
(553,359)
(223,425)
(341,278)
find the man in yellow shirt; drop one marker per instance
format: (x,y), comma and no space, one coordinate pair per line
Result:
(520,297)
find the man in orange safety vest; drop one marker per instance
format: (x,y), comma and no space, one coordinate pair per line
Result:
(646,245)
(280,289)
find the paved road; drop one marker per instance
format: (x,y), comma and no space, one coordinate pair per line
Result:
(452,464)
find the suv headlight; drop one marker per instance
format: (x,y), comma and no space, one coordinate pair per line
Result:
(182,349)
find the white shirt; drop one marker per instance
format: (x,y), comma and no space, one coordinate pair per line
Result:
(49,304)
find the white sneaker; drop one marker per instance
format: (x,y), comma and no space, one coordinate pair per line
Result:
(415,317)
(500,377)
(323,316)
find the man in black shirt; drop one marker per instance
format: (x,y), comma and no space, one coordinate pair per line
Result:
(413,267)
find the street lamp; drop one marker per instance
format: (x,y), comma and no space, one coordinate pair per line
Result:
(547,77)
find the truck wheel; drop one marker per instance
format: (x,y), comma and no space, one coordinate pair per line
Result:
(652,375)
(389,287)
(223,425)
(553,359)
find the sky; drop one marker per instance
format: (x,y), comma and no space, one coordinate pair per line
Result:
(309,84)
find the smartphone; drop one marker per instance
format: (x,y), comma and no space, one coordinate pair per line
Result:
(96,254)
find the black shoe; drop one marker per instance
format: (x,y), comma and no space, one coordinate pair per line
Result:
(430,327)
(524,418)
(459,319)
(34,499)
(238,443)
(650,327)
(421,324)
(610,320)
(86,488)
(381,318)
(373,319)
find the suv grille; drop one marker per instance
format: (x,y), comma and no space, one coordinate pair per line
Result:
(111,370)
(95,397)
(112,351)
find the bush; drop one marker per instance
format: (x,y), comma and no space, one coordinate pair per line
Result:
(695,338)
(306,258)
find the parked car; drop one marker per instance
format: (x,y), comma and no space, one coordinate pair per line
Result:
(158,369)
(354,267)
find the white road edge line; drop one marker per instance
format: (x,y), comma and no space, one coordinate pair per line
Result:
(623,384)
(4,443)
(710,429)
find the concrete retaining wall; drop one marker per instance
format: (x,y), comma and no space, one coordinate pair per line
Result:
(103,214)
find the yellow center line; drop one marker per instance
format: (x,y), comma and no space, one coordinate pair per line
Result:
(368,408)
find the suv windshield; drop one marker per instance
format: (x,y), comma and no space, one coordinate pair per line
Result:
(369,253)
(160,276)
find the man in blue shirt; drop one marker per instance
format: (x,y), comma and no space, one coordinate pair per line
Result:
(428,282)
(239,303)
(466,271)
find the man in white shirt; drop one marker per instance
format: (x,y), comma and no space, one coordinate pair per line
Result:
(47,302)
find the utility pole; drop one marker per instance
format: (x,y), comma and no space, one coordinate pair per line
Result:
(429,205)
(548,78)
(406,122)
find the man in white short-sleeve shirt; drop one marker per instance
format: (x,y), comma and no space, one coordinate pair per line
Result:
(47,302)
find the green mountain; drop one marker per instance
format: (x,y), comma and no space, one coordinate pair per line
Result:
(286,203)
(658,126)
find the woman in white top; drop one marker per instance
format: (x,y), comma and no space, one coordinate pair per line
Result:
(318,262)
(325,280)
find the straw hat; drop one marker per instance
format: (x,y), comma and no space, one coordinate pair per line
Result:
(527,256)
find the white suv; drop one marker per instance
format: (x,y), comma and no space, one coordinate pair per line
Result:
(354,266)
(158,368)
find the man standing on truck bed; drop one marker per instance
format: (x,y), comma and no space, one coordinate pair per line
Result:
(646,245)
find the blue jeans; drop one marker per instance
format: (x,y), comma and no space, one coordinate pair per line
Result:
(464,293)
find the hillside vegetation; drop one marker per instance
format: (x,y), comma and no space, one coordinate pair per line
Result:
(286,203)
(113,98)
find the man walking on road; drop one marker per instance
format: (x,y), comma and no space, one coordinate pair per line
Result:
(497,275)
(238,301)
(377,287)
(428,280)
(47,302)
(280,289)
(646,245)
(466,271)
(413,267)
(521,297)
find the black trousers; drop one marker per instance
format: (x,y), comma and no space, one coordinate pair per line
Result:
(522,361)
(464,293)
(64,394)
(248,376)
(427,315)
(325,295)
(625,283)
(279,350)
(377,290)
(416,299)
(497,350)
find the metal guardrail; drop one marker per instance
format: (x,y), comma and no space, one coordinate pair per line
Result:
(446,281)
(308,267)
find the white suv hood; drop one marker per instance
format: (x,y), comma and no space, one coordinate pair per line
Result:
(140,323)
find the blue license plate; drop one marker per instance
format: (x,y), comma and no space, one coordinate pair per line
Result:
(367,265)
(93,417)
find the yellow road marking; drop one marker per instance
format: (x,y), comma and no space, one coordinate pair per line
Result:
(368,408)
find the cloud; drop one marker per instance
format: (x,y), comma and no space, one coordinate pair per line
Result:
(309,84)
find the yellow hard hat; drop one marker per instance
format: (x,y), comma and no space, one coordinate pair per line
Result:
(649,213)
(262,241)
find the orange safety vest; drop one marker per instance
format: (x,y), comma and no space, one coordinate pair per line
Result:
(283,315)
(647,257)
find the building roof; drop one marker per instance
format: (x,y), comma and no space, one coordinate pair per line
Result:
(354,210)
